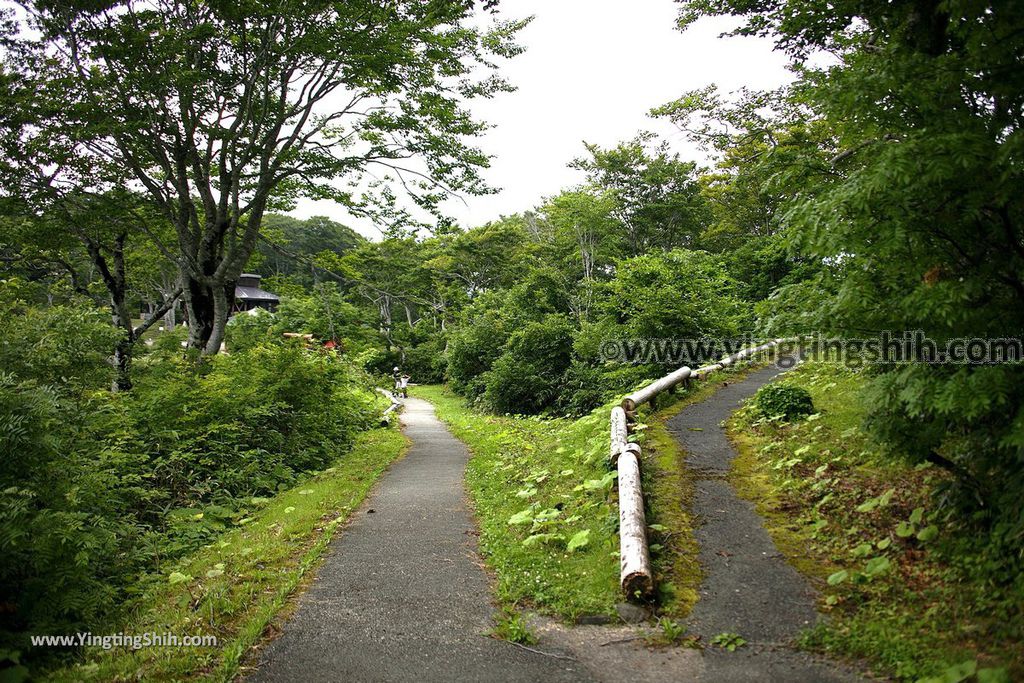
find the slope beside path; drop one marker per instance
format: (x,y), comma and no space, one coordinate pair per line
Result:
(748,588)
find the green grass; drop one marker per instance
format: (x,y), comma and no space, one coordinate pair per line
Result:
(236,587)
(536,485)
(845,517)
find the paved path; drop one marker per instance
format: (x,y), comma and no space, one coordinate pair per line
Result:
(401,596)
(748,587)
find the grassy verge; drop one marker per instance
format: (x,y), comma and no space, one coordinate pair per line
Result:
(867,532)
(234,588)
(543,496)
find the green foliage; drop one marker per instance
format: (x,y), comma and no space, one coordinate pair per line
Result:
(474,346)
(679,294)
(657,202)
(424,362)
(67,345)
(783,400)
(102,490)
(511,626)
(527,376)
(292,243)
(728,641)
(248,330)
(520,351)
(325,313)
(909,584)
(897,167)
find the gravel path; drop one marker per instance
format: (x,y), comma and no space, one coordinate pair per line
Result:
(401,596)
(748,587)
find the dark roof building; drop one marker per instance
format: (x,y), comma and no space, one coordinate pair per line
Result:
(248,294)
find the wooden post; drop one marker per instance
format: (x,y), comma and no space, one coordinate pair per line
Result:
(635,575)
(618,433)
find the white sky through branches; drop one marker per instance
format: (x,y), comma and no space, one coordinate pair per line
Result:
(591,72)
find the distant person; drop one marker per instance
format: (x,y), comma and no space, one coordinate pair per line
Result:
(396,375)
(403,385)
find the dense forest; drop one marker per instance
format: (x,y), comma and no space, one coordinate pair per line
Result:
(141,416)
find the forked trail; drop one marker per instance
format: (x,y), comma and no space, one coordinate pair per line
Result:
(402,596)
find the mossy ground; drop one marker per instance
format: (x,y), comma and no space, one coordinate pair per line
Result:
(867,531)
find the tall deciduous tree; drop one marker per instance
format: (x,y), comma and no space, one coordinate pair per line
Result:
(222,111)
(658,202)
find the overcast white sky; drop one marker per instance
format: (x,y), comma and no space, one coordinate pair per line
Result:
(591,71)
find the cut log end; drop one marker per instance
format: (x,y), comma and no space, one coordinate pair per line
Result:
(637,586)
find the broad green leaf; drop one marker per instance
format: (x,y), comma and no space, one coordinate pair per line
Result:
(579,540)
(522,517)
(877,565)
(838,577)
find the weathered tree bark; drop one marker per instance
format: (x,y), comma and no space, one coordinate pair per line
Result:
(116,282)
(208,307)
(635,575)
(647,393)
(619,433)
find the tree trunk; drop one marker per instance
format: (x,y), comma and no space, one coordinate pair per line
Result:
(123,364)
(169,318)
(222,301)
(208,309)
(199,306)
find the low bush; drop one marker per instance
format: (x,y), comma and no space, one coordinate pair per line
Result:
(781,400)
(101,491)
(528,375)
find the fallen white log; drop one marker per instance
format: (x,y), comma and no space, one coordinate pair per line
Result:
(644,395)
(635,575)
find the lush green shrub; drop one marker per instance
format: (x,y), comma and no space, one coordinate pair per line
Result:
(582,389)
(528,375)
(324,313)
(247,330)
(66,346)
(680,294)
(101,489)
(248,422)
(782,400)
(475,345)
(425,362)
